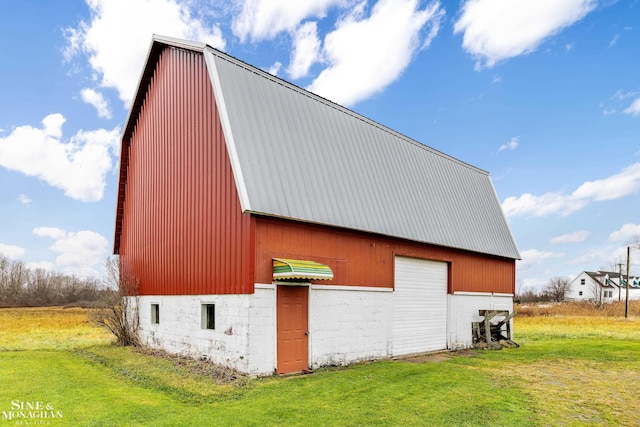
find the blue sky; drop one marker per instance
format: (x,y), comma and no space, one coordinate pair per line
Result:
(544,95)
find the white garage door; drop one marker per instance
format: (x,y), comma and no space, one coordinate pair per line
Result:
(419,306)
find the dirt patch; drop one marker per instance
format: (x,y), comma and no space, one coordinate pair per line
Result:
(440,356)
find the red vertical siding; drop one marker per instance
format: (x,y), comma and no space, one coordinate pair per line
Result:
(361,259)
(183,231)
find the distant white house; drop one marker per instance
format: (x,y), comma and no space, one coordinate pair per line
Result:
(602,286)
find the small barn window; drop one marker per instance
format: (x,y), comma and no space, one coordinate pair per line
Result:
(208,316)
(580,293)
(155,313)
(582,281)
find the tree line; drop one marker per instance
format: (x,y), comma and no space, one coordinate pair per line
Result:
(24,286)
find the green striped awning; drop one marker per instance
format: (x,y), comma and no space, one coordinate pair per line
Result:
(288,269)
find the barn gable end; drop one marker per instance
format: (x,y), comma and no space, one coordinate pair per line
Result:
(182,229)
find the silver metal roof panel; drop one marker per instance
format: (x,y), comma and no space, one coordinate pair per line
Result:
(303,157)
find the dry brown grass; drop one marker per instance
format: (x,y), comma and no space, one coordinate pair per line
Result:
(583,308)
(48,328)
(593,327)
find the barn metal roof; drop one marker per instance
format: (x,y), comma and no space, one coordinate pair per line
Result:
(299,156)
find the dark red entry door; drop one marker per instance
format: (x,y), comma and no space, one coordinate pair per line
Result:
(293,339)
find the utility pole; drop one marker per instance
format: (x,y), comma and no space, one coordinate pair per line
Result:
(626,304)
(619,281)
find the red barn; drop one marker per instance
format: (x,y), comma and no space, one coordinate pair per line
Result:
(272,230)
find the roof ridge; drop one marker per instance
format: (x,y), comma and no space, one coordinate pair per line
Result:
(200,47)
(302,91)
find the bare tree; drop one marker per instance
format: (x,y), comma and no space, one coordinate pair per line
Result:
(597,292)
(39,286)
(23,286)
(118,313)
(617,265)
(4,278)
(17,279)
(557,288)
(526,294)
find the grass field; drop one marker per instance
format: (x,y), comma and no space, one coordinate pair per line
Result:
(569,370)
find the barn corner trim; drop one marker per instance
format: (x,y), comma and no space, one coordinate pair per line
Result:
(214,76)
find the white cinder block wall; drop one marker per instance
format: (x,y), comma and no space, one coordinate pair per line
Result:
(244,334)
(463,309)
(261,350)
(179,330)
(347,324)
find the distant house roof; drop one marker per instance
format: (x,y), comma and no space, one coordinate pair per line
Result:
(298,156)
(634,281)
(599,278)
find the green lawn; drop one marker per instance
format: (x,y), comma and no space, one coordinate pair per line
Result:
(563,374)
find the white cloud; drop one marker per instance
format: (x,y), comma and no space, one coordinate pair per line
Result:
(532,257)
(620,95)
(511,145)
(306,50)
(549,203)
(43,265)
(574,237)
(79,252)
(50,232)
(264,19)
(362,55)
(275,68)
(52,125)
(594,257)
(622,184)
(495,30)
(11,251)
(614,40)
(77,166)
(618,101)
(96,99)
(569,47)
(496,79)
(116,38)
(626,232)
(620,255)
(365,55)
(634,108)
(617,186)
(24,199)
